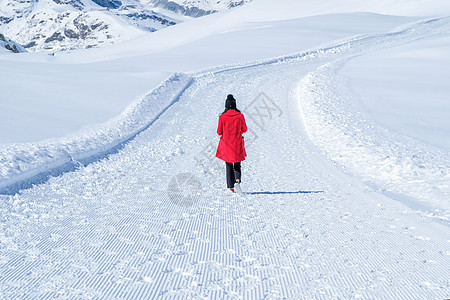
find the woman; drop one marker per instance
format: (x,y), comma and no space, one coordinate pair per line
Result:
(231,147)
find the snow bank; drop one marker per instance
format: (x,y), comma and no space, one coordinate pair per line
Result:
(24,164)
(394,164)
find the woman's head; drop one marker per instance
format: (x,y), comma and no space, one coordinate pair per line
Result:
(230,103)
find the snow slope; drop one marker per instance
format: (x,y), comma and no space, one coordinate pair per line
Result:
(359,208)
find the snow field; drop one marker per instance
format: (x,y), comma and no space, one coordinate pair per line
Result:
(110,230)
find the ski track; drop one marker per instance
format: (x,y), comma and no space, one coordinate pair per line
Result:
(109,230)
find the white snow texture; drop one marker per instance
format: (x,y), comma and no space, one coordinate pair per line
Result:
(346,185)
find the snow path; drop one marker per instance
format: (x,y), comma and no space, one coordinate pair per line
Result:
(129,226)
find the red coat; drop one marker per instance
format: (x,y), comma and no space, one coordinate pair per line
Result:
(231,145)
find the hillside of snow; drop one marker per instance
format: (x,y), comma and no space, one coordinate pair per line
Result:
(109,187)
(9,45)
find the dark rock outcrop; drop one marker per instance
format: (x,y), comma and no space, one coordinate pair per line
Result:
(10,45)
(112,4)
(57,36)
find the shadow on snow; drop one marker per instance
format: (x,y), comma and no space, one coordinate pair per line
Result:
(282,193)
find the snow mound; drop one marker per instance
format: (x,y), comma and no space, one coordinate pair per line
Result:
(22,165)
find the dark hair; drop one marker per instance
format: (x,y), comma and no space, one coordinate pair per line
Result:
(230,103)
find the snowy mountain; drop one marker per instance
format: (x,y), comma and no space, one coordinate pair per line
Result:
(54,25)
(9,45)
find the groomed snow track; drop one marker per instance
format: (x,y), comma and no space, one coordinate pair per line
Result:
(111,230)
(23,165)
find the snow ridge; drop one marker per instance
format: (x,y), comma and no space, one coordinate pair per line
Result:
(22,165)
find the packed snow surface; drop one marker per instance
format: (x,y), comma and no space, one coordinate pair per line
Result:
(417,104)
(346,183)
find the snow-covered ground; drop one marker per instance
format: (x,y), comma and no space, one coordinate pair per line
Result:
(347,178)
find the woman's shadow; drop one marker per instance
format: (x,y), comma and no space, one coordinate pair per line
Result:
(282,193)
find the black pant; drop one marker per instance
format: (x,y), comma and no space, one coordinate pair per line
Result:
(233,173)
